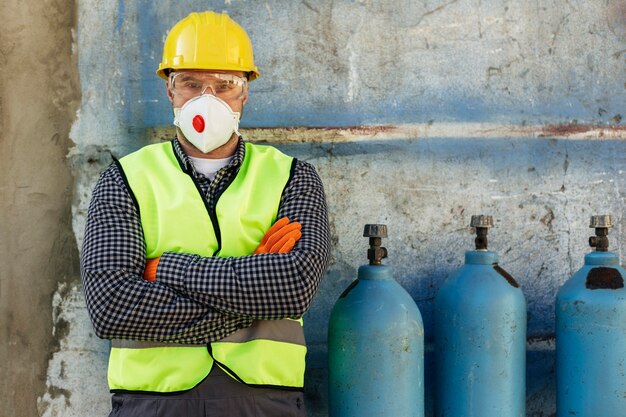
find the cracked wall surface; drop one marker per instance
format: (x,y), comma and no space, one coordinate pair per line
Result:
(416,114)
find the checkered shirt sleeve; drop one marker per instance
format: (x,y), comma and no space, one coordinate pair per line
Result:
(197,299)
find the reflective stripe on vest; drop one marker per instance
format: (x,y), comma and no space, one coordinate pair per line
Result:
(175,218)
(239,353)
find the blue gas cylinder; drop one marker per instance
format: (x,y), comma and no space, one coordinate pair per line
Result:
(375,344)
(480,338)
(591,334)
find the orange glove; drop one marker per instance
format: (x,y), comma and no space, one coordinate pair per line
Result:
(149,274)
(281,238)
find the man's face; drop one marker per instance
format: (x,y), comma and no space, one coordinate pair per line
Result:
(183,85)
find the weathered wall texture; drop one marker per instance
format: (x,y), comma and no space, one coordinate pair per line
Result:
(39,96)
(416,114)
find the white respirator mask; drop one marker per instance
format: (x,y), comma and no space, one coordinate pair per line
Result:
(207,122)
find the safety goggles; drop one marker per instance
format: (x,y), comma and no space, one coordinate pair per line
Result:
(189,84)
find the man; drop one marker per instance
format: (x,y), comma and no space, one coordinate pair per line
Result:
(202,254)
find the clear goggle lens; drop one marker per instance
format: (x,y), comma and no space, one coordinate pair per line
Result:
(195,83)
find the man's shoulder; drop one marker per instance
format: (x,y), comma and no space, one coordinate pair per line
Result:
(305,166)
(305,173)
(111,175)
(110,184)
(259,148)
(148,149)
(267,155)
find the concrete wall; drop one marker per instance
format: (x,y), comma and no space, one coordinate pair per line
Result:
(39,96)
(416,114)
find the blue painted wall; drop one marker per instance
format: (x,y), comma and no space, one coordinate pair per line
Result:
(363,62)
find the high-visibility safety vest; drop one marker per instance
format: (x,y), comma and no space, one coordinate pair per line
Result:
(176,218)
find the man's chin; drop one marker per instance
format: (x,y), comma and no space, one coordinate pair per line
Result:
(193,150)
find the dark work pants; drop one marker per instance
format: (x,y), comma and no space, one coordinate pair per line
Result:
(217,396)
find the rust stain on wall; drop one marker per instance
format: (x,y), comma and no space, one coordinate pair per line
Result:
(567,130)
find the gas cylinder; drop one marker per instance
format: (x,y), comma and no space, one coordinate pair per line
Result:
(480,337)
(591,334)
(375,343)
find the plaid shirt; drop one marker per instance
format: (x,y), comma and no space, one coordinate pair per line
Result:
(197,299)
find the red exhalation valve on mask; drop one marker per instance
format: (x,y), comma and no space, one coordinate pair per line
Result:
(198,123)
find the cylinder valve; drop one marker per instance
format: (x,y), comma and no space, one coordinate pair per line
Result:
(376,233)
(482,224)
(602,224)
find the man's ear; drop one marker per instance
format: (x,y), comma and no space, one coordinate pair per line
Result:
(170,96)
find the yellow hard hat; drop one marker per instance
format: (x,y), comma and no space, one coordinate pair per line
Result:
(208,40)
